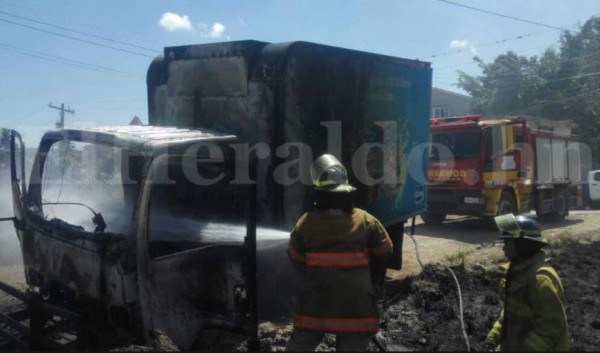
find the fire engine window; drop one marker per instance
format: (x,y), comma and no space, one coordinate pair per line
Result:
(462,144)
(81,180)
(518,134)
(186,214)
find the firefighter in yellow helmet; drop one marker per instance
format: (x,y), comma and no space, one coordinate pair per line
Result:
(336,241)
(534,315)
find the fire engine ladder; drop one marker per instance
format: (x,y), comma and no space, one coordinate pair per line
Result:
(37,325)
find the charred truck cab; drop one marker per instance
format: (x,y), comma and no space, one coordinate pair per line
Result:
(182,226)
(150,250)
(489,167)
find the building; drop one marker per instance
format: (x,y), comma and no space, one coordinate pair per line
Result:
(448,103)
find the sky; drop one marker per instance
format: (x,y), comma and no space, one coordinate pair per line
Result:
(93,55)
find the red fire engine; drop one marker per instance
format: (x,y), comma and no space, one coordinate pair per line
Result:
(514,165)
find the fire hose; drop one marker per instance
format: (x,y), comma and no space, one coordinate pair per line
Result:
(458,290)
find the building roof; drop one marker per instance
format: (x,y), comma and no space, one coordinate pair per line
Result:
(451,93)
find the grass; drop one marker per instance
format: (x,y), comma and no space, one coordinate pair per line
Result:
(460,258)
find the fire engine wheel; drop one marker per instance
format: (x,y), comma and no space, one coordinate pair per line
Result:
(507,204)
(433,218)
(561,206)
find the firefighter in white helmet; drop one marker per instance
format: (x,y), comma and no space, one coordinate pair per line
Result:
(336,241)
(534,315)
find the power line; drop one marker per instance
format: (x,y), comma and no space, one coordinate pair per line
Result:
(45,12)
(563,99)
(75,38)
(79,32)
(110,101)
(516,81)
(471,62)
(505,16)
(65,61)
(514,84)
(498,41)
(21,119)
(113,109)
(591,54)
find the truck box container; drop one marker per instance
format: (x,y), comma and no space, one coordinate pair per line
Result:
(300,100)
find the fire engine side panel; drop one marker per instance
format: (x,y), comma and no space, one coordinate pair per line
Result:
(559,160)
(574,161)
(543,152)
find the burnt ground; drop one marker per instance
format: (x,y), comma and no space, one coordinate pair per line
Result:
(423,312)
(422,307)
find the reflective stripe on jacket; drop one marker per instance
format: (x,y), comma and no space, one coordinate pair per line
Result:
(337,293)
(534,315)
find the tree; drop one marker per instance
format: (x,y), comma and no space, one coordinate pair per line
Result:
(4,146)
(511,84)
(563,84)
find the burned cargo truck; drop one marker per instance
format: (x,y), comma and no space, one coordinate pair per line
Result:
(182,226)
(292,102)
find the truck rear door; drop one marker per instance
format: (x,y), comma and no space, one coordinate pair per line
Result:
(194,258)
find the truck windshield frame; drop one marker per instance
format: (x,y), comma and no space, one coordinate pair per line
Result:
(67,207)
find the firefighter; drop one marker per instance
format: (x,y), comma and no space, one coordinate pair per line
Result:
(534,316)
(336,241)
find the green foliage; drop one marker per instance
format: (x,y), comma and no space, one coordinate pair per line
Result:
(4,145)
(460,257)
(559,84)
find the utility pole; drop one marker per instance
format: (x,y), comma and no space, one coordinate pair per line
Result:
(60,124)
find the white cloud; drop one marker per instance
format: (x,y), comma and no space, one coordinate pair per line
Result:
(457,43)
(463,44)
(217,30)
(174,22)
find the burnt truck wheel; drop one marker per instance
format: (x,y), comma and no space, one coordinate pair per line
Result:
(561,206)
(433,218)
(507,204)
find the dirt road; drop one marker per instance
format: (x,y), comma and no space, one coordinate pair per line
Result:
(464,235)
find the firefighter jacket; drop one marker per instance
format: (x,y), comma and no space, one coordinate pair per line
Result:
(337,294)
(534,315)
